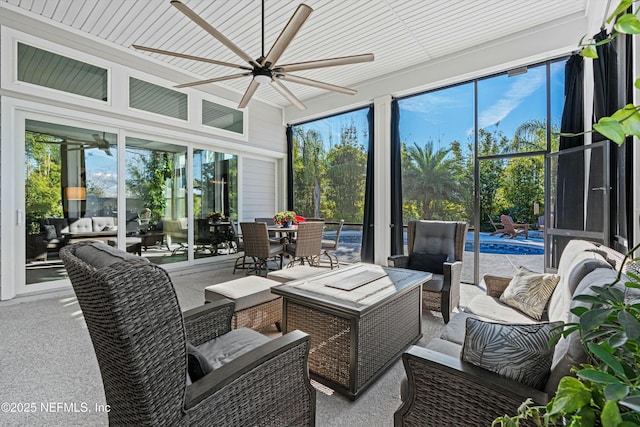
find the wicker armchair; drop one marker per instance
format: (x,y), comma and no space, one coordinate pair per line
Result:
(259,247)
(442,390)
(308,244)
(140,338)
(442,292)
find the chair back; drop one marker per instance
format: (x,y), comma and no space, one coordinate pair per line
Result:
(437,237)
(268,220)
(326,243)
(136,326)
(204,231)
(507,223)
(237,237)
(309,239)
(256,239)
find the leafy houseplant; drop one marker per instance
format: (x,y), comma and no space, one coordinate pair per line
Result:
(284,217)
(606,391)
(216,216)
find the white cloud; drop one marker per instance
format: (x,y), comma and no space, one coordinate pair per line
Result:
(519,90)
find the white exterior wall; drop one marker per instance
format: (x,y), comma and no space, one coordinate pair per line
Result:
(264,136)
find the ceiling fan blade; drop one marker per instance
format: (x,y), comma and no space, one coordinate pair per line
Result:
(209,29)
(321,63)
(315,83)
(253,86)
(277,85)
(194,58)
(288,33)
(216,79)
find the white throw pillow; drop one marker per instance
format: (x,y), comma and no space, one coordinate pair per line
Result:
(529,291)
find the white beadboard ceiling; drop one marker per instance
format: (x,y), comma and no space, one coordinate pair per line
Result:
(400,33)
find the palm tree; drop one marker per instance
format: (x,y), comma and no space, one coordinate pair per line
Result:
(428,176)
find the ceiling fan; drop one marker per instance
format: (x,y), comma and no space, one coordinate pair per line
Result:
(265,69)
(79,144)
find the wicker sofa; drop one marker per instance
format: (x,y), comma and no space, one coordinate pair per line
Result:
(442,389)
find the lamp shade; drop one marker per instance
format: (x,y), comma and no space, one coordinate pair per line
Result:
(76,193)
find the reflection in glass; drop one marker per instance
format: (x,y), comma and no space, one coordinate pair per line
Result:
(156,211)
(215,202)
(70,193)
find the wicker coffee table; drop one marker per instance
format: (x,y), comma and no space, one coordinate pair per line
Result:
(360,318)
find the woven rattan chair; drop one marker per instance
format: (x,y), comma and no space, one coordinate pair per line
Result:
(332,245)
(308,244)
(259,247)
(442,292)
(140,338)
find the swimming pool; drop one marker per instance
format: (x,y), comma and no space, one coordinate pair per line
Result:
(505,248)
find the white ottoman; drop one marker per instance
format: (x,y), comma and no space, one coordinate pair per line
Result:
(256,307)
(295,273)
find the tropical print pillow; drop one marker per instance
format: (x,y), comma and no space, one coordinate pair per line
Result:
(529,291)
(517,351)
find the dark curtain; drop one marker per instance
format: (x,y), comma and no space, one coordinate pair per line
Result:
(367,249)
(569,204)
(605,103)
(397,231)
(289,134)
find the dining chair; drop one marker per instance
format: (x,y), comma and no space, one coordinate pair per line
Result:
(259,247)
(270,222)
(239,243)
(332,245)
(307,246)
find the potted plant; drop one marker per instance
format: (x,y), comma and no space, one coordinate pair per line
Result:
(285,218)
(215,216)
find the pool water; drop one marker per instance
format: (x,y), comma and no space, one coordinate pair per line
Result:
(505,248)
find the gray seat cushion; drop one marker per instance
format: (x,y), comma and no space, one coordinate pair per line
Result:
(445,347)
(435,284)
(491,308)
(229,346)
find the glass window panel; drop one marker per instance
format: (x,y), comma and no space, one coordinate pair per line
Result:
(221,117)
(437,137)
(54,71)
(70,193)
(215,201)
(330,164)
(157,198)
(557,101)
(514,110)
(157,99)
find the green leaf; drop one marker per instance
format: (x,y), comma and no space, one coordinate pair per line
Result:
(629,119)
(597,376)
(588,298)
(627,24)
(610,416)
(618,340)
(587,417)
(593,318)
(589,51)
(603,354)
(630,325)
(591,336)
(637,83)
(570,396)
(631,402)
(579,311)
(622,7)
(616,391)
(610,129)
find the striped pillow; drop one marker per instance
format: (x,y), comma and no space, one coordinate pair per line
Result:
(529,292)
(517,351)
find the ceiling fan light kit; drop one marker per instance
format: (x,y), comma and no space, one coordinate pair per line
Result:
(264,70)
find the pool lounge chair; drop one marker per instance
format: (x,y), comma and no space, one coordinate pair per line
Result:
(512,229)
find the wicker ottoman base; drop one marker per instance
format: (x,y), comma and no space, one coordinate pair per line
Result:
(256,307)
